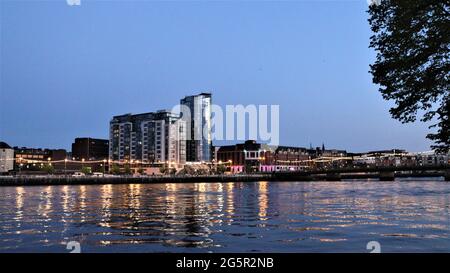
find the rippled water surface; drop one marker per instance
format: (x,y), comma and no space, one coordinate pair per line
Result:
(403,216)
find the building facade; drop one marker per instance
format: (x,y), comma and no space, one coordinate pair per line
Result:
(6,158)
(38,154)
(148,138)
(255,157)
(90,149)
(34,159)
(198,124)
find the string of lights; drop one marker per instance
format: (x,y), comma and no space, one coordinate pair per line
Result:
(109,161)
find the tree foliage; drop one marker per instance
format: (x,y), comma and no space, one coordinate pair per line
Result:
(127,170)
(86,170)
(115,169)
(412,41)
(221,169)
(48,168)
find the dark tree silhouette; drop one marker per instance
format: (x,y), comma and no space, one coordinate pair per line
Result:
(412,41)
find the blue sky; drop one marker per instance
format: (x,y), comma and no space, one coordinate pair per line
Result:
(66,70)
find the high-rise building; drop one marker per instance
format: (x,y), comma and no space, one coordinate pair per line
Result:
(90,148)
(148,137)
(198,125)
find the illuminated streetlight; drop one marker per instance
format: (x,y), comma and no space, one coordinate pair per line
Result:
(65,165)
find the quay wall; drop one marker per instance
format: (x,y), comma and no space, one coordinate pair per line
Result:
(91,180)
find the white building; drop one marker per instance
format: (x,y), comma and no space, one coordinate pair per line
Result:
(431,159)
(168,139)
(6,158)
(148,138)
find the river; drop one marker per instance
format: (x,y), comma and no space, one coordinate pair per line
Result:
(402,216)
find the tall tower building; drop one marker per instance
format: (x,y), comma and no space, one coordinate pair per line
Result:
(198,124)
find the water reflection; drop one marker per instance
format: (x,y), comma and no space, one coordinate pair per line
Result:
(20,192)
(263,199)
(260,216)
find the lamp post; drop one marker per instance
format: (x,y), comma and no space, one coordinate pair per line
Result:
(138,168)
(104,163)
(20,165)
(49,164)
(65,166)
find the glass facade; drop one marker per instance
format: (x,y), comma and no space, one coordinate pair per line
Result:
(199,141)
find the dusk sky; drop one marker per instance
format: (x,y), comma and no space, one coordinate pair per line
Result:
(66,70)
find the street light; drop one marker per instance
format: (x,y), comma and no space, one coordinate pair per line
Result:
(65,166)
(104,163)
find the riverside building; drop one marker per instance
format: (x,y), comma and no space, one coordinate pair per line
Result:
(6,158)
(251,156)
(152,137)
(90,148)
(198,124)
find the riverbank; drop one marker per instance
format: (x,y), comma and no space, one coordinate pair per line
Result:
(93,180)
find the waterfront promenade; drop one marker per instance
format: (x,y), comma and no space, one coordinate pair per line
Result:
(380,173)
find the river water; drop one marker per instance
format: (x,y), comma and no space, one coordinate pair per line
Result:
(402,216)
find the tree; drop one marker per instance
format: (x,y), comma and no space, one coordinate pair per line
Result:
(48,168)
(86,170)
(163,169)
(221,168)
(128,170)
(115,169)
(412,40)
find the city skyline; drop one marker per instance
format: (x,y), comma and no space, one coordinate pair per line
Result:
(279,55)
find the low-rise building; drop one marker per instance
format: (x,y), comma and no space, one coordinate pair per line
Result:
(90,149)
(432,159)
(256,157)
(6,158)
(34,159)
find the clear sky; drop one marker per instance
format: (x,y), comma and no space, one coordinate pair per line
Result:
(66,70)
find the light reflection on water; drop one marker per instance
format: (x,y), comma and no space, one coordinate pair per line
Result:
(411,216)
